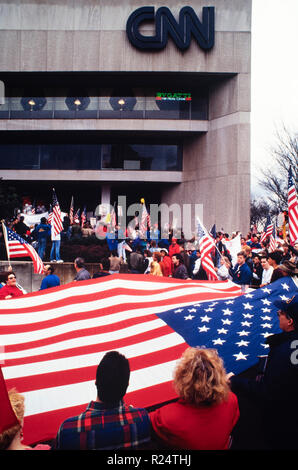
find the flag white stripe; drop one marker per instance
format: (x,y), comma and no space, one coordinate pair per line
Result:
(50,399)
(92,359)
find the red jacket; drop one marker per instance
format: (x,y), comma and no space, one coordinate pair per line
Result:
(166,266)
(174,249)
(183,426)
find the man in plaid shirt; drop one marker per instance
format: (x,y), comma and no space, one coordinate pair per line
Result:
(108,423)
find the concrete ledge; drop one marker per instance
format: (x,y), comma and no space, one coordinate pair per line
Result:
(93,175)
(168,125)
(31,281)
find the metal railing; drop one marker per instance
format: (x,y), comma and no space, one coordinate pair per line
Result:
(102,107)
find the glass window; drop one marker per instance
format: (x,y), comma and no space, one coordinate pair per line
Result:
(70,157)
(142,157)
(121,156)
(19,157)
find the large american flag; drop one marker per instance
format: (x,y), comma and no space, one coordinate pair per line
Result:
(56,220)
(206,245)
(53,340)
(292,209)
(17,247)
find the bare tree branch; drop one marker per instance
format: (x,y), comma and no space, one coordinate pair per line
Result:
(284,155)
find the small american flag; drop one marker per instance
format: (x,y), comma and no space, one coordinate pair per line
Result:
(292,209)
(267,230)
(206,245)
(17,247)
(56,220)
(71,210)
(33,208)
(83,217)
(273,240)
(145,221)
(77,216)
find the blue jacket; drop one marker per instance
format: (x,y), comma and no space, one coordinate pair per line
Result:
(43,231)
(51,280)
(242,274)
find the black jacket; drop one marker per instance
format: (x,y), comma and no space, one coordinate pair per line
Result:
(277,390)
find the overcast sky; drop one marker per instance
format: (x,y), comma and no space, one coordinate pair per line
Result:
(274,77)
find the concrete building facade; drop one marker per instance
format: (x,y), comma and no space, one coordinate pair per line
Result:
(66,39)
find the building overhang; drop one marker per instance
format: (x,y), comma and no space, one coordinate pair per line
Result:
(123,125)
(94,175)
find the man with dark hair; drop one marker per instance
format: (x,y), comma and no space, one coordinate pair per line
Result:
(275,392)
(267,271)
(179,268)
(136,261)
(253,243)
(50,279)
(108,423)
(82,273)
(21,228)
(257,270)
(274,260)
(104,269)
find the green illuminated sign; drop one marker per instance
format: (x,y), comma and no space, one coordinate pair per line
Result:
(173,96)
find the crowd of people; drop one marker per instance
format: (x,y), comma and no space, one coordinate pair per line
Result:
(160,254)
(206,411)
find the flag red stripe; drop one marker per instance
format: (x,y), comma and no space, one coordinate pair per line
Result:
(19,255)
(50,422)
(84,374)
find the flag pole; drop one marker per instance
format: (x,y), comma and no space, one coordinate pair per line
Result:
(6,241)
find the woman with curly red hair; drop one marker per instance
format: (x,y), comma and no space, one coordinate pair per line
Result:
(207,410)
